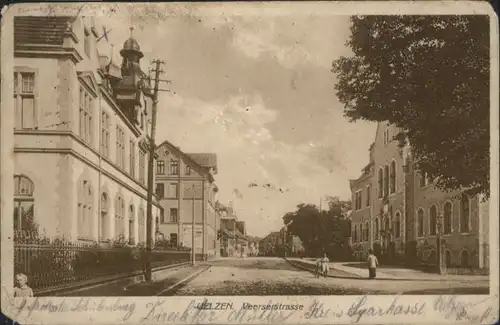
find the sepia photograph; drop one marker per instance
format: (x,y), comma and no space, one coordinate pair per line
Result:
(236,150)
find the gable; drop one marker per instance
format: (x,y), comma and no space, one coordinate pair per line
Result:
(89,81)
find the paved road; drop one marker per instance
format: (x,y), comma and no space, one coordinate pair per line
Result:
(275,276)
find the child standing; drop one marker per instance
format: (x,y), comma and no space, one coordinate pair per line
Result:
(318,268)
(325,265)
(372,264)
(22,289)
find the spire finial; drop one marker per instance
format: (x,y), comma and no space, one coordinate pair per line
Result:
(131,31)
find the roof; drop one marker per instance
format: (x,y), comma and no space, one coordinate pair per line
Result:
(46,30)
(185,156)
(207,160)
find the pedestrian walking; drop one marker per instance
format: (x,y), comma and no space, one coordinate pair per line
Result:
(325,265)
(372,264)
(22,289)
(318,269)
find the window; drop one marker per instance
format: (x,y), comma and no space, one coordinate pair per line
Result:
(24,101)
(424,179)
(160,190)
(142,167)
(447,218)
(386,180)
(397,225)
(380,183)
(160,167)
(105,126)
(358,200)
(119,218)
(86,43)
(84,210)
(420,223)
(377,228)
(367,231)
(24,205)
(142,228)
(174,167)
(464,259)
(433,220)
(131,225)
(368,195)
(120,147)
(173,215)
(188,170)
(355,234)
(132,159)
(387,136)
(447,258)
(361,234)
(173,190)
(464,214)
(173,240)
(85,116)
(392,185)
(103,219)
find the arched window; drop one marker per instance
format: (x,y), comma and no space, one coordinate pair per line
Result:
(103,218)
(367,231)
(142,229)
(392,186)
(84,210)
(380,183)
(24,205)
(447,258)
(447,217)
(387,226)
(119,217)
(433,220)
(464,259)
(397,225)
(131,224)
(420,222)
(377,228)
(361,234)
(386,180)
(464,214)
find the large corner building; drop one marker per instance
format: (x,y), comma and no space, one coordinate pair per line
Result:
(80,133)
(400,213)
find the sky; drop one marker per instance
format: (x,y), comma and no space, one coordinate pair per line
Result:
(257,90)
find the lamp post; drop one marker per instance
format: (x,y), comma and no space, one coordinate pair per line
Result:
(439,244)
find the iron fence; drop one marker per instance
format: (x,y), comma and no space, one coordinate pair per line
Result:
(56,264)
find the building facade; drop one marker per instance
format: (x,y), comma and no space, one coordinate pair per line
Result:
(407,214)
(186,188)
(80,133)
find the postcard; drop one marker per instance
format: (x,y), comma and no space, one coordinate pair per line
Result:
(249,163)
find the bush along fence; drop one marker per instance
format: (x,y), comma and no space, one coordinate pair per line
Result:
(55,263)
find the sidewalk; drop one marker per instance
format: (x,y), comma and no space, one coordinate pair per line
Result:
(397,273)
(161,281)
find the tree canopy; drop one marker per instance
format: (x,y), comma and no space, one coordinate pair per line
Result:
(321,231)
(429,76)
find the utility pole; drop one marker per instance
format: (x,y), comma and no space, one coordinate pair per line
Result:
(152,150)
(193,233)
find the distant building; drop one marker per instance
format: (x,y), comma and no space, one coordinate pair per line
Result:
(405,213)
(233,241)
(81,144)
(183,182)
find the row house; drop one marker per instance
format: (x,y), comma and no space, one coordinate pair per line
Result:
(400,214)
(80,133)
(186,188)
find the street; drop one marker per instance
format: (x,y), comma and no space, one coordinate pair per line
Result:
(275,276)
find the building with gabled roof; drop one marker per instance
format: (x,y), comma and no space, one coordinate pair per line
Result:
(186,187)
(80,133)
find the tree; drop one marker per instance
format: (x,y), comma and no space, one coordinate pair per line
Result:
(429,76)
(321,231)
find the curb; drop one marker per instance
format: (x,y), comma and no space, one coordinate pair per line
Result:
(358,277)
(186,279)
(130,279)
